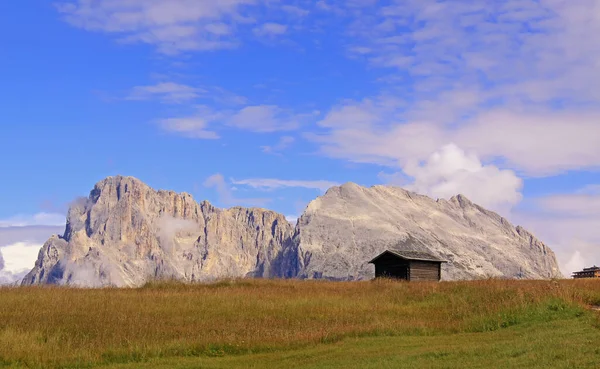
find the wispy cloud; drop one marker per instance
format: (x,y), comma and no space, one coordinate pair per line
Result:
(295,10)
(283,143)
(22,220)
(513,81)
(177,26)
(272,184)
(166,91)
(192,127)
(270,30)
(291,218)
(176,93)
(217,181)
(525,48)
(257,118)
(173,26)
(265,118)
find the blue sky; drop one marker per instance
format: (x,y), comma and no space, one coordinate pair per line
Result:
(267,103)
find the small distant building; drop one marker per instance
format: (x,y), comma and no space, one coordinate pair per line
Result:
(408,265)
(593,272)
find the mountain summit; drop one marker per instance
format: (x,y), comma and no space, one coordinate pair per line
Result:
(126,233)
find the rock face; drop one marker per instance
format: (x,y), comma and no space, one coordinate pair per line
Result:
(350,224)
(126,234)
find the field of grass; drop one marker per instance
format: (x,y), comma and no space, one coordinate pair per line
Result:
(313,324)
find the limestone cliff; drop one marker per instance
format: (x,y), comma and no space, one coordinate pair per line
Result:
(350,224)
(125,234)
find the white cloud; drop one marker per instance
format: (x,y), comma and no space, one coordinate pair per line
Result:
(220,29)
(283,143)
(29,234)
(569,224)
(192,127)
(533,142)
(589,190)
(270,30)
(256,118)
(22,220)
(525,48)
(265,118)
(19,259)
(572,204)
(514,81)
(20,243)
(537,143)
(272,184)
(11,279)
(322,5)
(291,218)
(166,91)
(226,197)
(576,263)
(176,93)
(451,171)
(372,131)
(173,26)
(20,256)
(169,228)
(294,10)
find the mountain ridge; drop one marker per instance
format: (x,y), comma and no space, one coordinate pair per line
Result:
(126,233)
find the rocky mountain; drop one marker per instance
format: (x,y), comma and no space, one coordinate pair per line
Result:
(125,234)
(350,224)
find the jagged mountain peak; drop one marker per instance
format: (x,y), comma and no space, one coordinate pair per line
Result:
(126,233)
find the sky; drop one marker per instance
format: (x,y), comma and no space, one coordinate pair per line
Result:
(268,103)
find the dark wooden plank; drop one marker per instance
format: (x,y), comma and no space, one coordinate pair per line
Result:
(424,271)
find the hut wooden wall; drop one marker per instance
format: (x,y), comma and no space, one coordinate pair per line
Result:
(424,271)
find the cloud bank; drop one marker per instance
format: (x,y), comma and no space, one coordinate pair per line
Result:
(19,259)
(451,171)
(19,248)
(43,219)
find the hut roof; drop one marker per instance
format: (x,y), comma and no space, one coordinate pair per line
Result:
(587,270)
(410,255)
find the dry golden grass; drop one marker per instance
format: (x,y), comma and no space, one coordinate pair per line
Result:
(51,326)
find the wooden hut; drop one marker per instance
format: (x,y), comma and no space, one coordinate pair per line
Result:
(408,265)
(593,272)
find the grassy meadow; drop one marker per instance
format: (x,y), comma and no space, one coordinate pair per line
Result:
(308,324)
